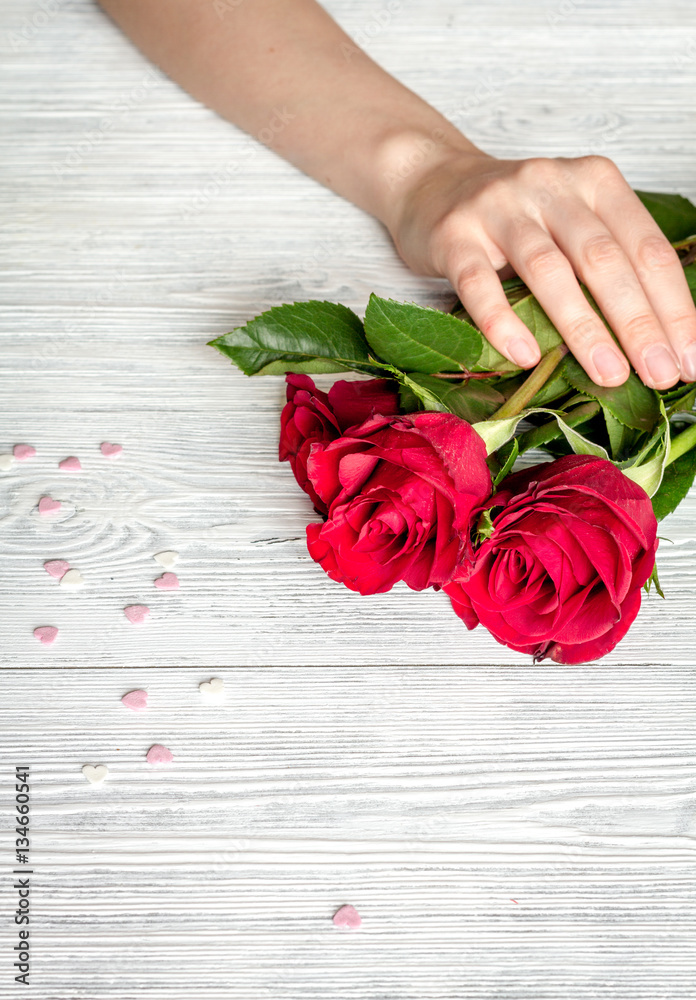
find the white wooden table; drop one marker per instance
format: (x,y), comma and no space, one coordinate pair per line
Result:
(505,830)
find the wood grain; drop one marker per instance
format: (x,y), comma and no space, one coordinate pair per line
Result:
(506,830)
(520,832)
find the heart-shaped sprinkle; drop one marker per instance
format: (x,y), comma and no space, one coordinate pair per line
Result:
(109,450)
(348,917)
(47,505)
(73,578)
(95,774)
(214,688)
(46,634)
(6,462)
(23,451)
(168,581)
(56,567)
(157,754)
(70,464)
(167,558)
(136,613)
(136,700)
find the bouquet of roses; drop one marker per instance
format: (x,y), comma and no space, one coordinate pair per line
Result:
(411,468)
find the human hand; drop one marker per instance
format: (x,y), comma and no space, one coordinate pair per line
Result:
(552,219)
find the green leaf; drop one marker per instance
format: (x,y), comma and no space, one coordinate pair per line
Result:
(680,399)
(648,472)
(484,527)
(534,317)
(690,275)
(496,433)
(419,339)
(312,337)
(509,462)
(653,579)
(632,403)
(675,216)
(472,401)
(409,402)
(428,399)
(555,388)
(620,437)
(676,483)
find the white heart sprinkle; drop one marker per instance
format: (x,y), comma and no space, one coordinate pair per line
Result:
(167,558)
(95,775)
(73,578)
(6,462)
(214,688)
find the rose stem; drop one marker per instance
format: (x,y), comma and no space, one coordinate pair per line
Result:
(531,386)
(681,444)
(547,432)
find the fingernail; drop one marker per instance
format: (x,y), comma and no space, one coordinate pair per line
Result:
(522,353)
(660,364)
(610,365)
(688,363)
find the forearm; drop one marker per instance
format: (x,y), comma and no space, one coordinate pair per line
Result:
(285,72)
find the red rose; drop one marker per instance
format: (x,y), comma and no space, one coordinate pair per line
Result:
(311,415)
(400,493)
(562,572)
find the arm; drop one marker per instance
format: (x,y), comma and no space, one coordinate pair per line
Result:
(285,72)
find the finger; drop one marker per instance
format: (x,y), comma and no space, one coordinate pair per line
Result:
(602,265)
(658,269)
(473,277)
(546,270)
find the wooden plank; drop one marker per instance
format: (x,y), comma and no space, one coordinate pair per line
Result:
(506,830)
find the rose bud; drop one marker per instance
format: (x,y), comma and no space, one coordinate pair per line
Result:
(400,493)
(560,576)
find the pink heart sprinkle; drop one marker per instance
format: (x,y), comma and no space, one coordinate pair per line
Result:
(137,700)
(348,917)
(136,613)
(71,464)
(110,450)
(47,505)
(46,634)
(23,451)
(168,581)
(57,567)
(158,754)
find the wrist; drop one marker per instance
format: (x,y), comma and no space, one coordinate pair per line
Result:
(407,159)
